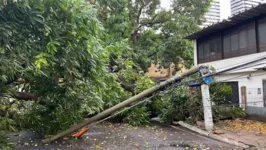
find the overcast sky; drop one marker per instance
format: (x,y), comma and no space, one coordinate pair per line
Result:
(225,7)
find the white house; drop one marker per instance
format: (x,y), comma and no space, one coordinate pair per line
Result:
(239,39)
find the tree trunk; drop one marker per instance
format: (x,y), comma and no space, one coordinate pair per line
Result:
(25,96)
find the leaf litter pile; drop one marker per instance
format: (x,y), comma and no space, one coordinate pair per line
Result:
(246,125)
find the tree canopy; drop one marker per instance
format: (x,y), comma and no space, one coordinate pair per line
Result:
(153,33)
(53,63)
(62,60)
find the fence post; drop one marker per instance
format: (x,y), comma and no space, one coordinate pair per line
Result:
(244,97)
(208,121)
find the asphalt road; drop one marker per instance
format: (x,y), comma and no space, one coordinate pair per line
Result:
(108,136)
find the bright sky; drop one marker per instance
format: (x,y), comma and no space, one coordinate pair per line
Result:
(166,3)
(225,7)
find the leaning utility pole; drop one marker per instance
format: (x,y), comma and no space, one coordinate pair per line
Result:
(123,104)
(206,100)
(208,121)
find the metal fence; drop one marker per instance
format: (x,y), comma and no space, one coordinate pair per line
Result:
(255,97)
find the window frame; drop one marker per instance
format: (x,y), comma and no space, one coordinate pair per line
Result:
(248,30)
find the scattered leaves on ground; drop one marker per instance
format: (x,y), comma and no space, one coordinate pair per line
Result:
(246,125)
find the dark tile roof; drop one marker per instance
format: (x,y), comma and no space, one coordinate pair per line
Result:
(234,20)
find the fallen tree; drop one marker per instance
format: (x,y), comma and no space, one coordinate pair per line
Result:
(123,104)
(53,64)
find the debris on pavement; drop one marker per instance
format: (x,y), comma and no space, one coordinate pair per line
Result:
(123,137)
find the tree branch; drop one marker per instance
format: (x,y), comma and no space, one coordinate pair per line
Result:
(153,22)
(139,14)
(3,113)
(136,28)
(9,82)
(128,87)
(25,96)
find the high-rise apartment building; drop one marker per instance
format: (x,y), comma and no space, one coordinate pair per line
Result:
(242,5)
(213,15)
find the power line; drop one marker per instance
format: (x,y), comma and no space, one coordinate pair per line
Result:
(239,66)
(139,103)
(115,114)
(238,77)
(249,66)
(224,105)
(240,63)
(182,83)
(230,69)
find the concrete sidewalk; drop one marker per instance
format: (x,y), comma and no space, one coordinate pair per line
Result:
(246,131)
(248,138)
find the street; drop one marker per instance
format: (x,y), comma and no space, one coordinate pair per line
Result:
(110,136)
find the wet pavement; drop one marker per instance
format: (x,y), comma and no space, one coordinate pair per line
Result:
(108,136)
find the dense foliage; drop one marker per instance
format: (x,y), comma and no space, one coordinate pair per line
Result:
(53,63)
(62,60)
(184,103)
(151,31)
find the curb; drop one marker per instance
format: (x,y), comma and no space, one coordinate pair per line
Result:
(213,136)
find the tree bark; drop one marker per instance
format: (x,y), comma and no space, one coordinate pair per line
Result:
(123,104)
(25,96)
(3,113)
(128,87)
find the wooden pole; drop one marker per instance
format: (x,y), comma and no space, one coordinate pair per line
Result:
(208,121)
(244,97)
(123,104)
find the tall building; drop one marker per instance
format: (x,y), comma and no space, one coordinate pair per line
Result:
(213,15)
(242,5)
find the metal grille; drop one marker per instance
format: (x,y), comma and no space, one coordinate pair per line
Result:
(255,97)
(233,98)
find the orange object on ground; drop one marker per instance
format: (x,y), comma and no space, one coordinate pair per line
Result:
(80,133)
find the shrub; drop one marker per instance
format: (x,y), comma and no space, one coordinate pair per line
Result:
(138,117)
(4,145)
(180,104)
(238,113)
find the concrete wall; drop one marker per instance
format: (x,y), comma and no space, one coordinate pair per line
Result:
(157,71)
(253,82)
(256,113)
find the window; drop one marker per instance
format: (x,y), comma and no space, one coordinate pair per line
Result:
(234,42)
(251,37)
(201,56)
(209,48)
(238,40)
(212,48)
(226,44)
(262,34)
(243,39)
(218,46)
(206,49)
(215,46)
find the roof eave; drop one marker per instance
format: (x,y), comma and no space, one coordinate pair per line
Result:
(234,20)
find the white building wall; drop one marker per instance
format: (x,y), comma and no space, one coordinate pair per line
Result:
(195,53)
(250,76)
(253,82)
